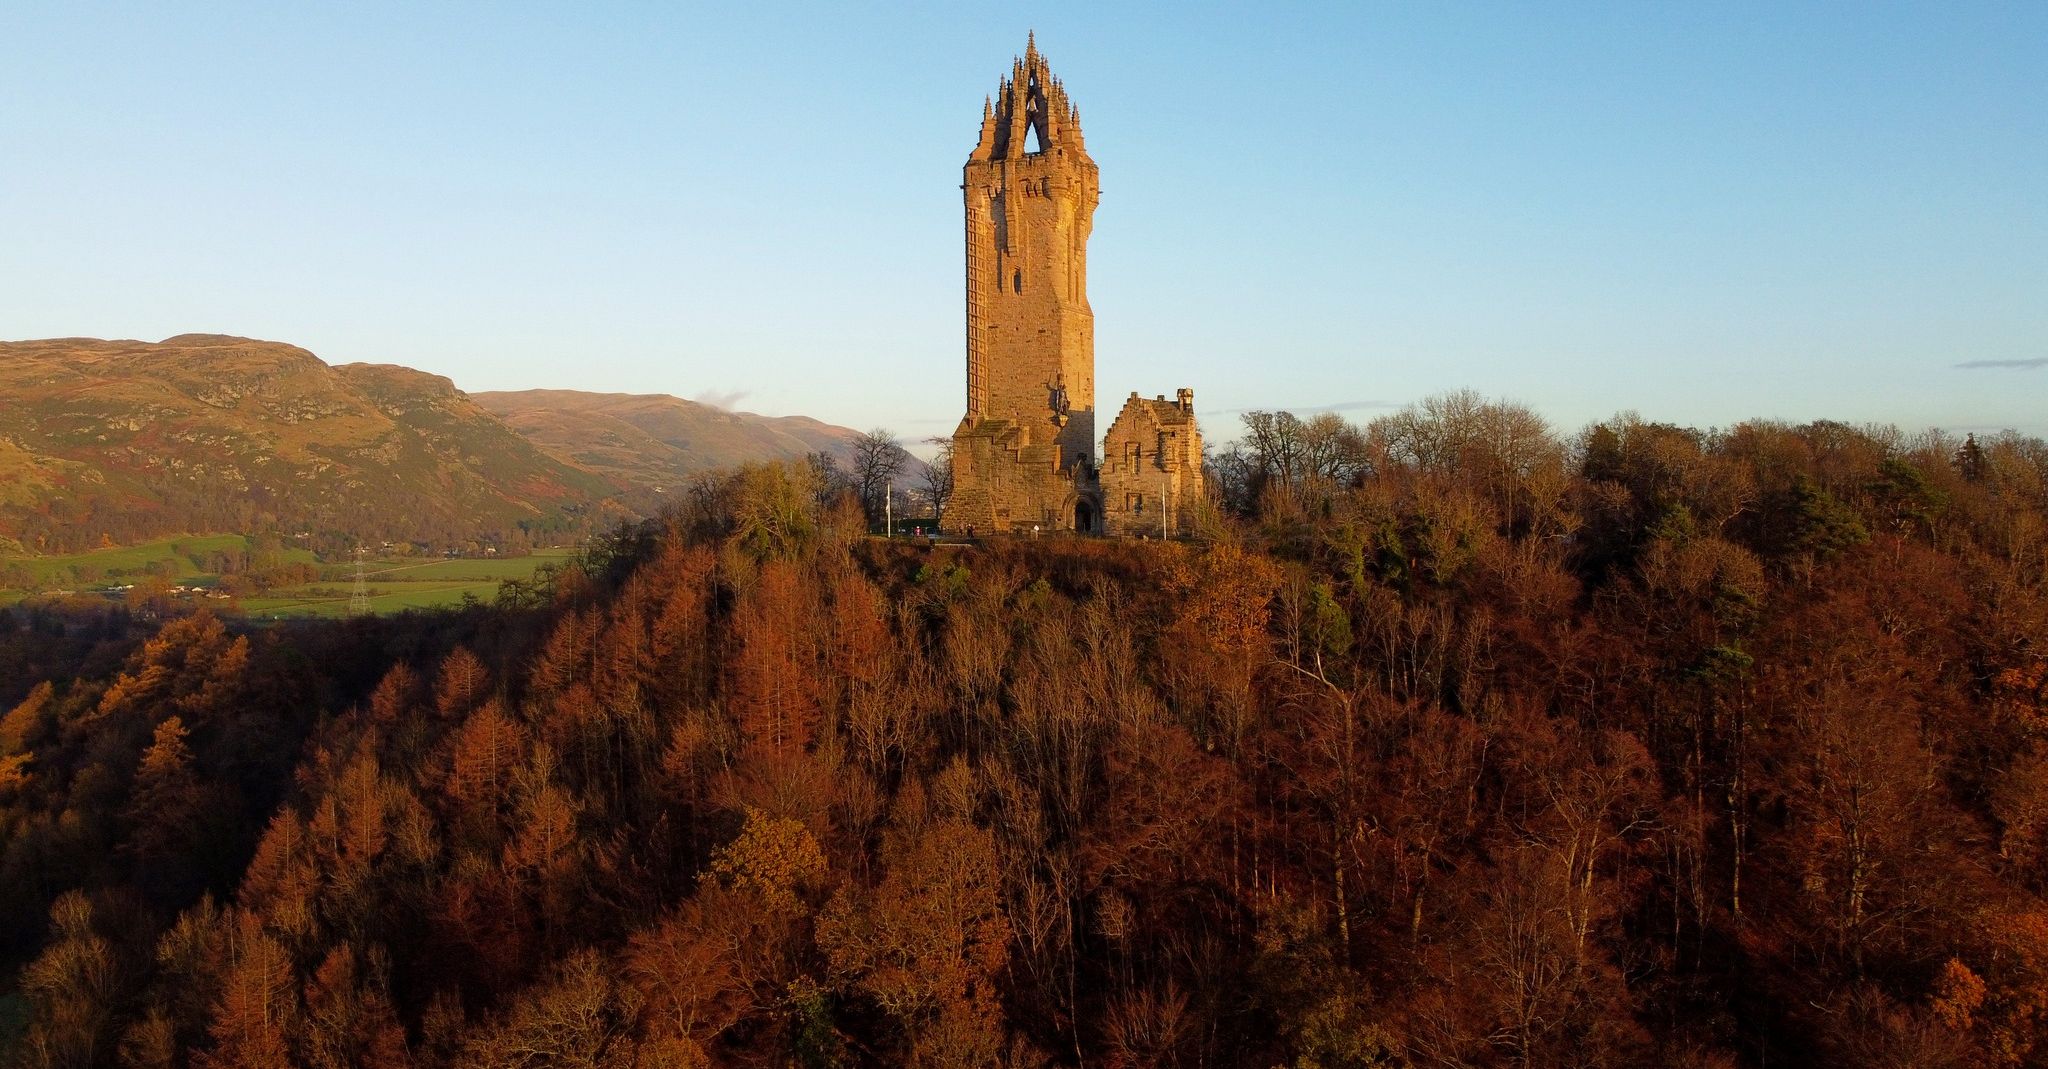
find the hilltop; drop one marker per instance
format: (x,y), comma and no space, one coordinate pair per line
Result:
(117,442)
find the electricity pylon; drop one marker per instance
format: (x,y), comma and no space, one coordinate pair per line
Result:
(359,597)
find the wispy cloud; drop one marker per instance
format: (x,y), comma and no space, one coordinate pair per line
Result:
(724,399)
(1352,406)
(2017,365)
(1307,410)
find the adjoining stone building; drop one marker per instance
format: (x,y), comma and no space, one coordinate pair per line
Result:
(1024,452)
(1151,475)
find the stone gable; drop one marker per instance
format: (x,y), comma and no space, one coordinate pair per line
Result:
(1152,467)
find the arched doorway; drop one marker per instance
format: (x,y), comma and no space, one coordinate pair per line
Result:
(1084,517)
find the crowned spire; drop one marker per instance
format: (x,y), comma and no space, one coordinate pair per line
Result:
(1029,100)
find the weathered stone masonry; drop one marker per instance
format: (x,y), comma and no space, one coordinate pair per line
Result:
(1152,465)
(1023,454)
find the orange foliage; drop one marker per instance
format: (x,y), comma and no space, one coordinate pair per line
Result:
(460,684)
(489,746)
(773,693)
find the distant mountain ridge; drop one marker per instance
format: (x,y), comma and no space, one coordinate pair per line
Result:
(121,441)
(647,441)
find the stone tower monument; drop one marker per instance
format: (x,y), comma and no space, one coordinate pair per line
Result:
(1023,455)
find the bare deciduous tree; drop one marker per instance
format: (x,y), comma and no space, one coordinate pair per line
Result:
(938,474)
(878,458)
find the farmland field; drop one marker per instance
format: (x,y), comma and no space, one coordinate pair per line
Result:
(467,570)
(173,559)
(394,584)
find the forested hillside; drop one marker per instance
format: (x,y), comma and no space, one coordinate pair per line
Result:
(1450,744)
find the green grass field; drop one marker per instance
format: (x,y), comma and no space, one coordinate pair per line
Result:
(122,562)
(484,569)
(397,585)
(394,584)
(385,598)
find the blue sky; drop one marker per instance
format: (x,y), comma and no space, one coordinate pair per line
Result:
(1703,212)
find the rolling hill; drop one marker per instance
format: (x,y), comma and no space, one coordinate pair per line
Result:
(115,442)
(648,441)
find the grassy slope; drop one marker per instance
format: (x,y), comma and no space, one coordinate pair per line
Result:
(125,562)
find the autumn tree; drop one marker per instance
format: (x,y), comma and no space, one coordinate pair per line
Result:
(170,813)
(928,943)
(733,951)
(71,988)
(580,1017)
(259,1009)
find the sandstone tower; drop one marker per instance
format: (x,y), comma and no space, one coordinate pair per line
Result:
(1023,455)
